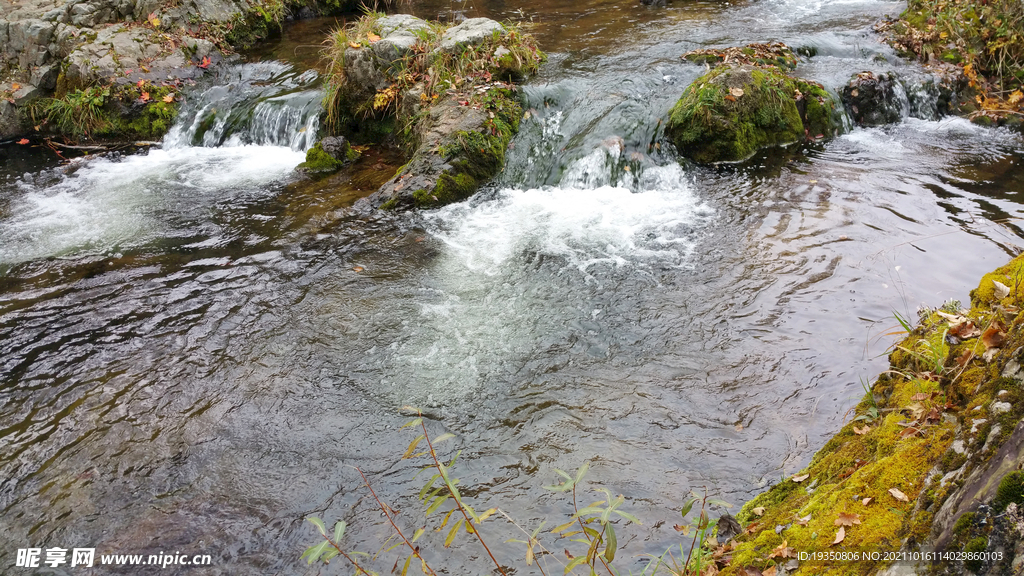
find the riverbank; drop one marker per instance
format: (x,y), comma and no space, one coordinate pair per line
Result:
(928,462)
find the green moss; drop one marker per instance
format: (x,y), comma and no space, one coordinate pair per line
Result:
(979,544)
(317,160)
(729,113)
(392,203)
(1011,490)
(1011,275)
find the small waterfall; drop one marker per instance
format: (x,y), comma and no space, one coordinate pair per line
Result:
(263,103)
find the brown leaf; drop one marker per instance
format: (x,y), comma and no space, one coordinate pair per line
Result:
(737,92)
(752,527)
(15,87)
(965,330)
(921,396)
(357,268)
(898,495)
(759,510)
(909,431)
(803,521)
(372,37)
(933,417)
(861,431)
(23,141)
(770,571)
(354,45)
(144,97)
(964,358)
(840,536)
(169,97)
(800,478)
(845,519)
(568,555)
(916,410)
(993,337)
(866,501)
(730,98)
(782,551)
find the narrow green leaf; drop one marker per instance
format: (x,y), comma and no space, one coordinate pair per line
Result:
(563,527)
(329,554)
(721,503)
(413,422)
(563,474)
(339,531)
(427,486)
(412,447)
(443,437)
(612,544)
(559,487)
(582,472)
(574,563)
(487,514)
(629,517)
(319,525)
(688,506)
(419,532)
(538,529)
(446,517)
(590,510)
(405,568)
(316,551)
(437,504)
(453,532)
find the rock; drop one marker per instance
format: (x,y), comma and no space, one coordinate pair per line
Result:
(469,33)
(45,77)
(12,121)
(875,100)
(401,23)
(729,113)
(1000,407)
(328,155)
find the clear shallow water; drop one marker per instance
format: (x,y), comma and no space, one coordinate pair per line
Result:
(197,346)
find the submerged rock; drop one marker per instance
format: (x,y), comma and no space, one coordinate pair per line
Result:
(875,100)
(732,111)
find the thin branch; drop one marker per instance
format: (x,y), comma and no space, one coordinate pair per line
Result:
(384,509)
(458,502)
(359,569)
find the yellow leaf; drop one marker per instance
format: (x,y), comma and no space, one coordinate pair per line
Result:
(759,510)
(372,37)
(15,87)
(898,495)
(1015,97)
(169,97)
(355,45)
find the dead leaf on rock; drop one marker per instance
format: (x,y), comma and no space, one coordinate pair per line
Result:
(898,495)
(357,268)
(866,501)
(909,431)
(770,571)
(1001,290)
(993,337)
(372,37)
(845,519)
(861,431)
(759,510)
(803,521)
(737,92)
(964,358)
(840,536)
(916,410)
(800,478)
(354,45)
(965,330)
(782,551)
(921,396)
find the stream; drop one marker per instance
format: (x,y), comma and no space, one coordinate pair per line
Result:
(198,346)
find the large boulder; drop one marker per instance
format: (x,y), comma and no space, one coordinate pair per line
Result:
(732,111)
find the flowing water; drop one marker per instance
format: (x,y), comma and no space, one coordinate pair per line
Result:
(198,346)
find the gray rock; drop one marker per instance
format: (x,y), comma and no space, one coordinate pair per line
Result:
(501,51)
(12,121)
(336,147)
(45,77)
(1000,407)
(394,47)
(469,33)
(389,25)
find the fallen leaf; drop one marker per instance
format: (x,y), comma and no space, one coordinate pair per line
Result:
(759,510)
(770,571)
(144,97)
(909,431)
(898,495)
(861,431)
(357,268)
(782,551)
(933,416)
(921,396)
(140,83)
(845,519)
(993,337)
(751,528)
(15,87)
(144,69)
(953,318)
(840,536)
(1001,290)
(372,37)
(738,427)
(964,358)
(23,141)
(964,330)
(1015,97)
(684,529)
(205,63)
(803,521)
(730,98)
(916,410)
(354,45)
(737,92)
(169,97)
(866,501)
(800,478)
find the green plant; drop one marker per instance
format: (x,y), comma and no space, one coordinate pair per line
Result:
(79,112)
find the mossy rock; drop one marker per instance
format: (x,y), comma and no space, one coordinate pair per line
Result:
(328,155)
(731,112)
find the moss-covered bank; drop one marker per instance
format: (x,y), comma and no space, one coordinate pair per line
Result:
(981,41)
(928,460)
